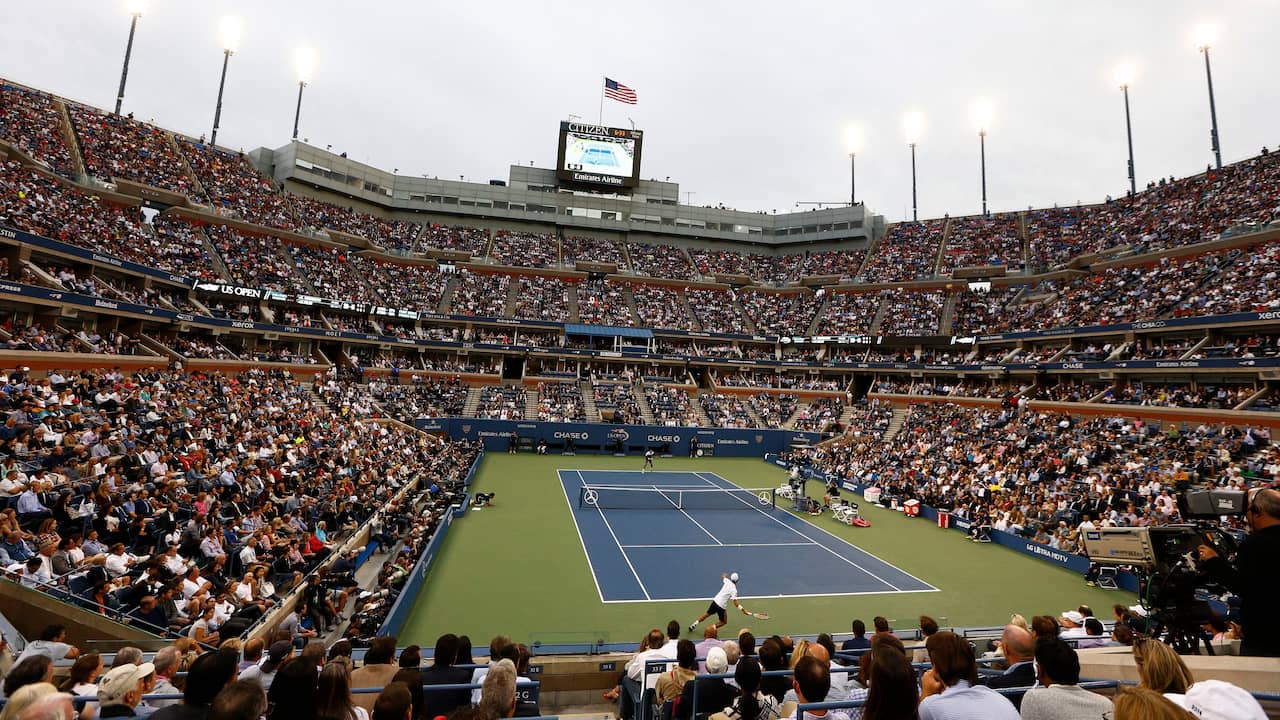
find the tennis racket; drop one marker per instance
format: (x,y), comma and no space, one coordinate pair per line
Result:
(759,615)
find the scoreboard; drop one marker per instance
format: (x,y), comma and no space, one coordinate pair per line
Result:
(599,156)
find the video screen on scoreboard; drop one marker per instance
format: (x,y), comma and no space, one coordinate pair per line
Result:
(598,155)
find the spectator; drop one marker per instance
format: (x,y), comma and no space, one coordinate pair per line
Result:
(499,691)
(239,701)
(812,683)
(207,676)
(293,690)
(750,703)
(1140,703)
(394,703)
(28,696)
(120,690)
(411,679)
(51,644)
(1060,694)
(714,694)
(1219,700)
(378,669)
(949,689)
(893,691)
(443,672)
(928,626)
(333,693)
(263,673)
(671,683)
(1162,669)
(167,661)
(859,640)
(1019,655)
(82,680)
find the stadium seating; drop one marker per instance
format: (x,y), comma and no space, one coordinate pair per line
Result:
(29,120)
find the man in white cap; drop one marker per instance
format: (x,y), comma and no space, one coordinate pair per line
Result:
(720,603)
(1218,700)
(1072,622)
(120,690)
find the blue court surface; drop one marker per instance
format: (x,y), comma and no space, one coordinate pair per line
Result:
(672,544)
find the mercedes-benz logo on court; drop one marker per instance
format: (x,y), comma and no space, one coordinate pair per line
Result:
(591,497)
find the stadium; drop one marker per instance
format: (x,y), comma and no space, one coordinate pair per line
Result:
(291,406)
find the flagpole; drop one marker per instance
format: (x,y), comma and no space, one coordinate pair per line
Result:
(600,119)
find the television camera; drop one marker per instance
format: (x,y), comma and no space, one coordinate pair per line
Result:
(1165,558)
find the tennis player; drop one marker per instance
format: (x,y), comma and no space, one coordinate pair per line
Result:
(720,603)
(648,459)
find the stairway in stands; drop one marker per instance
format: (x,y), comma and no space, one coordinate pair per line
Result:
(646,412)
(895,425)
(531,403)
(589,401)
(472,402)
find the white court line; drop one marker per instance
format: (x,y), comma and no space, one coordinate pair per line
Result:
(617,542)
(703,599)
(581,539)
(797,532)
(682,512)
(804,544)
(846,542)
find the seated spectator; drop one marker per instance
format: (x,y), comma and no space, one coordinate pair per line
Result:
(498,696)
(950,690)
(51,645)
(240,700)
(1060,694)
(395,702)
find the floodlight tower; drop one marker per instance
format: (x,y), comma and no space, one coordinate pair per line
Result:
(1205,35)
(135,11)
(305,59)
(853,141)
(231,27)
(982,115)
(1124,78)
(914,125)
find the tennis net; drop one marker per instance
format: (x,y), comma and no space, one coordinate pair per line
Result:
(613,497)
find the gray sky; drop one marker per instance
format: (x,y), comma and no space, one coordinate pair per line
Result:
(743,103)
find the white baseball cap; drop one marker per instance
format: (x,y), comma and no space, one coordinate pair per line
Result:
(1217,699)
(733,577)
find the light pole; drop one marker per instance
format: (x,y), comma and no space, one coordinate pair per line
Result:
(306,63)
(853,141)
(1124,77)
(914,125)
(1205,37)
(135,12)
(982,116)
(230,37)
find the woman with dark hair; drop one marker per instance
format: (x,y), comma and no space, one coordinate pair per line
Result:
(206,677)
(333,695)
(293,692)
(893,694)
(751,704)
(464,651)
(412,678)
(83,676)
(773,657)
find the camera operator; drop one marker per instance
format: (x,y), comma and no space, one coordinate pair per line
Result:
(1254,577)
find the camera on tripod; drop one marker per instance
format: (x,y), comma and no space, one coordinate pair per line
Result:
(1165,559)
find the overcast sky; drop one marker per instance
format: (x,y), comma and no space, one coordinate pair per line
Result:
(743,103)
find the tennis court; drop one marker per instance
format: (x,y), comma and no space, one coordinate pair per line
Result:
(668,535)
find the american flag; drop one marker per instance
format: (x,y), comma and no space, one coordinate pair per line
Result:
(617,91)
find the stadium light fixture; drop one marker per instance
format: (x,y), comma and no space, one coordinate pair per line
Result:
(1124,78)
(982,116)
(231,28)
(136,8)
(305,59)
(1205,36)
(914,125)
(853,142)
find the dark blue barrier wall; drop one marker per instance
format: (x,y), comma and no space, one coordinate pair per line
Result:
(409,594)
(1070,561)
(593,437)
